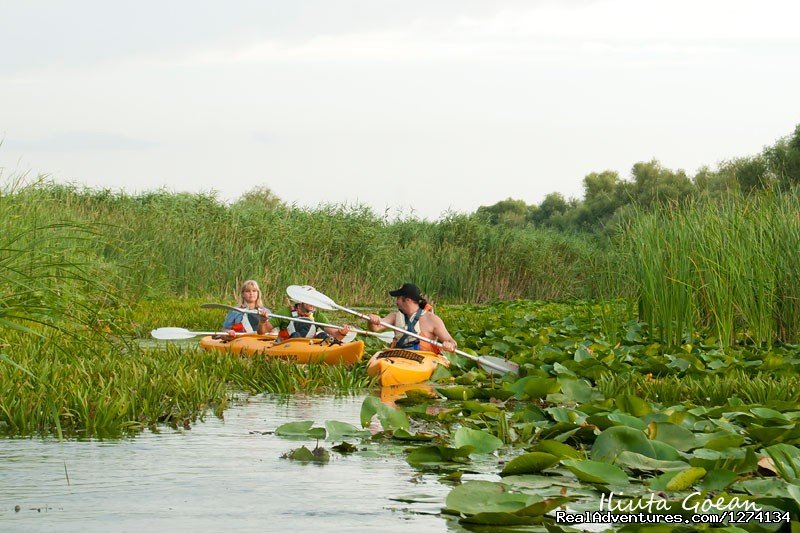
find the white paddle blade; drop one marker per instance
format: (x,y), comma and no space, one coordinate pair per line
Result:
(385,336)
(309,295)
(497,365)
(172,334)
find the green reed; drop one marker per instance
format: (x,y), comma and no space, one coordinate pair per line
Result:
(729,267)
(166,244)
(703,390)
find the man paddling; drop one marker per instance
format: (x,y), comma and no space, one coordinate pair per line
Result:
(411,315)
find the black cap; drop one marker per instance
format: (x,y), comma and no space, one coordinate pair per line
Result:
(409,290)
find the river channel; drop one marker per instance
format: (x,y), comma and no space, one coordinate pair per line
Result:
(219,475)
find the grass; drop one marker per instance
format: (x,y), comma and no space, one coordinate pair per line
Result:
(717,389)
(728,266)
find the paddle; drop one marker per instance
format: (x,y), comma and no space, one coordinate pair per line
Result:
(174,334)
(309,295)
(384,336)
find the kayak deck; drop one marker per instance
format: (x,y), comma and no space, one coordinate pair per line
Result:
(301,350)
(394,366)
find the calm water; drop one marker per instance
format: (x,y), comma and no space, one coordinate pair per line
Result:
(218,476)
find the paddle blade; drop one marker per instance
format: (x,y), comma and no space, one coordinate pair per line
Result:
(172,334)
(385,336)
(497,365)
(309,295)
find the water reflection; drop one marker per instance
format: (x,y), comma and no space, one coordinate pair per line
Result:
(218,476)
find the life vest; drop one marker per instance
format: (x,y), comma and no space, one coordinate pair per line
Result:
(299,329)
(407,342)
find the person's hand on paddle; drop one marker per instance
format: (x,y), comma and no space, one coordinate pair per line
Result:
(449,346)
(344,330)
(374,322)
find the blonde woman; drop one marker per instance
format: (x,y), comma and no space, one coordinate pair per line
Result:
(249,298)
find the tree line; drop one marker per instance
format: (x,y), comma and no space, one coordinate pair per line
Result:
(608,197)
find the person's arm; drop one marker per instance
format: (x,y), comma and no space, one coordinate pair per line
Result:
(337,333)
(442,335)
(230,319)
(264,325)
(279,322)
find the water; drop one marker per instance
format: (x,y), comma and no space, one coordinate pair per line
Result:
(217,476)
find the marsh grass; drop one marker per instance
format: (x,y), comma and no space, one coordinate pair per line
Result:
(175,244)
(729,266)
(717,389)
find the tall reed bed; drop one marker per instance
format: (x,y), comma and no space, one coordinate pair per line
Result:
(164,243)
(730,267)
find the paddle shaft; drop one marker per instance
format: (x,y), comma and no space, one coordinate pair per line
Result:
(293,319)
(420,337)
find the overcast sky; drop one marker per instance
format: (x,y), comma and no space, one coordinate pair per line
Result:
(401,105)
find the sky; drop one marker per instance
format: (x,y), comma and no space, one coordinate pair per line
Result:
(412,107)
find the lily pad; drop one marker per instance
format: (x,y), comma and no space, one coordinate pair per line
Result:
(529,463)
(389,417)
(596,472)
(481,441)
(474,497)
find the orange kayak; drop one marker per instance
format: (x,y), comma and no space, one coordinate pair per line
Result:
(401,367)
(296,350)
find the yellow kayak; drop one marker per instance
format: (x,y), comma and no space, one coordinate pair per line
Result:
(401,367)
(297,350)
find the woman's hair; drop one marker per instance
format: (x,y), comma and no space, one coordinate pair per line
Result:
(249,284)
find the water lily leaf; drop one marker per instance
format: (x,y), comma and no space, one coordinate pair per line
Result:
(529,463)
(738,460)
(576,390)
(596,472)
(390,418)
(402,434)
(317,455)
(345,447)
(615,440)
(769,434)
(786,459)
(481,441)
(294,429)
(622,419)
(458,392)
(725,440)
(769,414)
(439,454)
(337,430)
(633,405)
(718,480)
(534,387)
(475,497)
(637,461)
(560,450)
(582,354)
(676,436)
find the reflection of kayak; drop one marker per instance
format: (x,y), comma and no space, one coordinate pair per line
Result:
(399,367)
(297,350)
(390,394)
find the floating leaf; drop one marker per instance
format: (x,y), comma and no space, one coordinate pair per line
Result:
(558,449)
(475,497)
(300,429)
(336,430)
(481,441)
(529,463)
(303,454)
(439,454)
(389,417)
(596,472)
